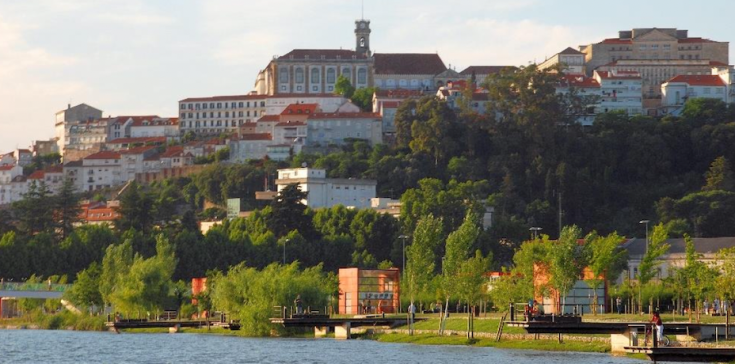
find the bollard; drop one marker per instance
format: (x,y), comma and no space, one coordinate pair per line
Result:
(512,313)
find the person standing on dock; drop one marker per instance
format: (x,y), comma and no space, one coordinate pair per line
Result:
(656,320)
(619,305)
(706,307)
(297,303)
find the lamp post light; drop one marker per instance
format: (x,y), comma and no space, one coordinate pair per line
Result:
(284,251)
(534,231)
(645,222)
(403,239)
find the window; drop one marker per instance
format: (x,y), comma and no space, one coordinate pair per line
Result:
(299,75)
(654,46)
(362,76)
(642,47)
(240,105)
(347,73)
(315,76)
(283,77)
(667,47)
(331,78)
(707,90)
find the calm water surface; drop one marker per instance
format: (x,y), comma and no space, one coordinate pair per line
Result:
(38,346)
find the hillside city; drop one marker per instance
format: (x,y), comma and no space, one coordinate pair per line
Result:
(342,157)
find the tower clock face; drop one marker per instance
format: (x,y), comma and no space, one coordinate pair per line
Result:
(362,25)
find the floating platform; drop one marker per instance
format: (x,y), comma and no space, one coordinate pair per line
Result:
(684,354)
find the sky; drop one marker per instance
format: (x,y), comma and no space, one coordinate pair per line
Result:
(139,57)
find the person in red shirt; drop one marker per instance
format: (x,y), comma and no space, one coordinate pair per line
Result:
(656,320)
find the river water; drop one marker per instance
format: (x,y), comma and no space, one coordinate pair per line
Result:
(39,346)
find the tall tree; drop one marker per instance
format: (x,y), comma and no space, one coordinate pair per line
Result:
(288,213)
(67,208)
(648,269)
(458,245)
(344,87)
(35,212)
(719,176)
(135,209)
(420,255)
(604,255)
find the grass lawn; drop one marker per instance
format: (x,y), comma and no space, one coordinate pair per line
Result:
(547,345)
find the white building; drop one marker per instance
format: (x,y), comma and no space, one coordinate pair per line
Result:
(64,119)
(276,104)
(676,91)
(335,128)
(570,59)
(328,192)
(219,114)
(620,91)
(249,147)
(727,74)
(96,171)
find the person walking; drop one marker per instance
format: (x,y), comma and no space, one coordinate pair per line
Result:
(716,306)
(412,311)
(656,320)
(619,305)
(297,303)
(706,307)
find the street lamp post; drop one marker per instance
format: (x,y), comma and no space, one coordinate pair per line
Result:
(645,222)
(284,251)
(534,231)
(403,239)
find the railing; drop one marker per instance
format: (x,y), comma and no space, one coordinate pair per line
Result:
(36,287)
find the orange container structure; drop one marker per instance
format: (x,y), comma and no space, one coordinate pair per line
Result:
(368,291)
(198,285)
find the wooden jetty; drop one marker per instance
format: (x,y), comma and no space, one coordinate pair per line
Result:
(342,326)
(145,324)
(685,354)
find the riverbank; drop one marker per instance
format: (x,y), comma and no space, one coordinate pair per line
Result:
(64,320)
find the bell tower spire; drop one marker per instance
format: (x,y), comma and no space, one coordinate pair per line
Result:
(362,37)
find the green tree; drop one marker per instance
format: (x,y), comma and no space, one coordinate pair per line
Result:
(344,87)
(420,255)
(35,212)
(725,282)
(135,209)
(115,264)
(604,255)
(458,247)
(67,208)
(648,268)
(566,262)
(719,176)
(288,213)
(363,98)
(85,292)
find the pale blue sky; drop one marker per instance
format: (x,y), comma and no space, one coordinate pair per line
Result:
(141,57)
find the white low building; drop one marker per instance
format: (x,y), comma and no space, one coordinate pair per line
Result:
(335,128)
(328,192)
(676,91)
(249,147)
(96,171)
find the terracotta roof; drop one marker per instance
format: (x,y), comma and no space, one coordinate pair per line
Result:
(271,118)
(137,150)
(253,136)
(579,81)
(716,63)
(290,123)
(101,214)
(7,167)
(152,158)
(391,104)
(173,152)
(345,115)
(699,80)
(36,175)
(296,109)
(77,163)
(616,41)
(312,54)
(54,169)
(408,64)
(24,151)
(138,140)
(224,98)
(484,70)
(104,155)
(695,40)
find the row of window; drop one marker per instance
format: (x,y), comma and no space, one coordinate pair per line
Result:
(219,114)
(220,105)
(299,75)
(226,124)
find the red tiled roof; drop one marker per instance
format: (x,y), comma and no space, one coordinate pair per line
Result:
(77,163)
(295,109)
(408,64)
(36,175)
(253,136)
(616,41)
(137,150)
(271,118)
(695,40)
(391,104)
(138,140)
(54,169)
(173,152)
(579,81)
(224,98)
(24,151)
(6,167)
(101,214)
(699,80)
(485,70)
(716,63)
(290,123)
(312,54)
(344,115)
(104,155)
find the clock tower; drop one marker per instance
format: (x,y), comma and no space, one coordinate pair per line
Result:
(362,37)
